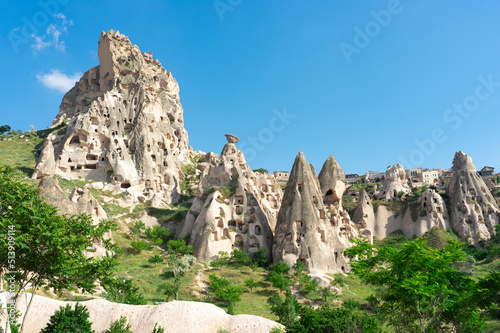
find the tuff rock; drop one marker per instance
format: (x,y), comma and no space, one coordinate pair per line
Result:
(121,123)
(394,183)
(312,227)
(474,212)
(235,208)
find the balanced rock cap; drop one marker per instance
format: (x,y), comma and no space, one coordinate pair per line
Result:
(231,138)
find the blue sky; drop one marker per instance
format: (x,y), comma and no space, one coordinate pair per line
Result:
(374,83)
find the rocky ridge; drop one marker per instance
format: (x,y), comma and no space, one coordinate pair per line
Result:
(312,227)
(234,207)
(124,125)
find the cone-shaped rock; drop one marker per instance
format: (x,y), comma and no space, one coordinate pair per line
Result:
(332,181)
(474,212)
(307,230)
(235,208)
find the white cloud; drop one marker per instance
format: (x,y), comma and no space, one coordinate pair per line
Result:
(57,80)
(52,35)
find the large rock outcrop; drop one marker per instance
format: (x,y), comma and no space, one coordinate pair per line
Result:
(80,201)
(364,215)
(395,182)
(312,228)
(234,208)
(124,125)
(175,317)
(474,212)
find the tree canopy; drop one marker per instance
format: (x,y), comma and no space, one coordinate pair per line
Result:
(422,288)
(47,248)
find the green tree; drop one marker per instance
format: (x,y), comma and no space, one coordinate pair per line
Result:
(156,259)
(170,289)
(119,326)
(67,320)
(250,283)
(223,289)
(157,234)
(325,293)
(312,285)
(239,256)
(139,245)
(4,128)
(180,266)
(158,329)
(179,246)
(137,228)
(277,276)
(260,258)
(222,261)
(261,170)
(328,319)
(122,291)
(286,309)
(50,248)
(422,290)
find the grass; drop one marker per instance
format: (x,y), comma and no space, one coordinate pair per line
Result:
(366,186)
(20,153)
(164,215)
(255,302)
(226,191)
(135,266)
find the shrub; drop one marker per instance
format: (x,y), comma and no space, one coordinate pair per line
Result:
(67,320)
(119,326)
(139,245)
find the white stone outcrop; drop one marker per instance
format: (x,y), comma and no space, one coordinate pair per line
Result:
(175,316)
(124,125)
(242,219)
(312,227)
(474,212)
(394,183)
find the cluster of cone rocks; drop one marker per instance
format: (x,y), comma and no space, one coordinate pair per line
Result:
(121,126)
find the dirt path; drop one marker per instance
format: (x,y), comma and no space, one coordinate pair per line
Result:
(200,284)
(301,298)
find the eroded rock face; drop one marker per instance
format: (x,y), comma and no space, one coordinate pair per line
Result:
(234,208)
(364,216)
(80,201)
(474,212)
(312,227)
(124,125)
(394,183)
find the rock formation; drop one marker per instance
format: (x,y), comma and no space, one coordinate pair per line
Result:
(175,316)
(312,228)
(474,212)
(394,183)
(433,210)
(364,216)
(234,208)
(80,201)
(124,125)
